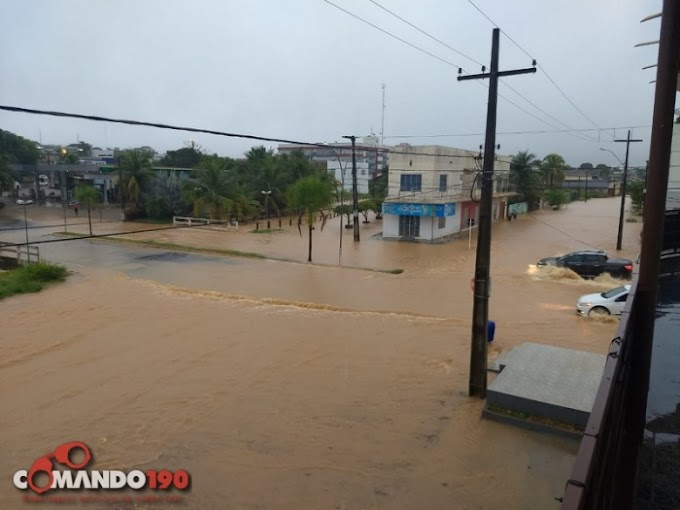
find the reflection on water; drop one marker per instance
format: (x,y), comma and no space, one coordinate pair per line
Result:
(280,385)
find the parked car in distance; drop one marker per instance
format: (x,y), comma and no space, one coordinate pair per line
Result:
(590,264)
(607,303)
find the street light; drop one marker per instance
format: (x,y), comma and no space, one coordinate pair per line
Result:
(342,196)
(612,153)
(266,204)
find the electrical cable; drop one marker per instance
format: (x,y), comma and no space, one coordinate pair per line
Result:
(539,66)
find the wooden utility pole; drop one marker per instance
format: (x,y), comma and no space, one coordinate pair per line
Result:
(480,310)
(628,141)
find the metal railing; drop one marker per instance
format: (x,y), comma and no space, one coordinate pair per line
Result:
(600,466)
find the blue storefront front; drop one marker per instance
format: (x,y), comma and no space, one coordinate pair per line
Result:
(419,221)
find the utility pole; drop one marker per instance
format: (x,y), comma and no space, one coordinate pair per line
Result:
(586,195)
(628,141)
(480,310)
(355,192)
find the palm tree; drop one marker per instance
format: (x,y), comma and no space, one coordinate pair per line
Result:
(211,187)
(523,175)
(136,174)
(310,196)
(89,197)
(552,169)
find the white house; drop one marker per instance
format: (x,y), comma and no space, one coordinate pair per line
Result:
(344,174)
(433,192)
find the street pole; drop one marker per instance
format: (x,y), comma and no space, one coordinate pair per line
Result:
(480,310)
(355,192)
(628,141)
(28,252)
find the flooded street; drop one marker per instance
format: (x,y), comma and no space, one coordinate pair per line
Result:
(287,385)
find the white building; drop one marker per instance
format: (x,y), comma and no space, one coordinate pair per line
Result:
(344,174)
(433,192)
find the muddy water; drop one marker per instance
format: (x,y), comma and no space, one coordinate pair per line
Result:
(280,385)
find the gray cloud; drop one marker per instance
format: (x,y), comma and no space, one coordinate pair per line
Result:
(302,69)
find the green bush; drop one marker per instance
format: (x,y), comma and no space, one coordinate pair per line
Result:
(30,278)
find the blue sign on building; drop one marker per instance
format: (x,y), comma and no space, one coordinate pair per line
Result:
(437,210)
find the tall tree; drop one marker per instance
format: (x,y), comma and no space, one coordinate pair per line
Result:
(524,175)
(89,197)
(136,174)
(212,188)
(552,169)
(186,157)
(6,175)
(18,149)
(309,197)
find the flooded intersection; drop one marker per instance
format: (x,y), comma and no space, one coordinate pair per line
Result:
(285,385)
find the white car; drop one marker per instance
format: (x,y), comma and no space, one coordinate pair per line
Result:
(607,303)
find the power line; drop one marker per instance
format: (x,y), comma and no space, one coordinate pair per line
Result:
(427,34)
(97,118)
(392,35)
(529,132)
(539,66)
(584,137)
(561,231)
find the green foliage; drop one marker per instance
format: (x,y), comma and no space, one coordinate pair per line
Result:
(186,157)
(89,197)
(6,175)
(212,188)
(552,170)
(18,149)
(31,278)
(136,173)
(524,176)
(366,206)
(163,199)
(310,196)
(636,191)
(585,166)
(377,188)
(556,197)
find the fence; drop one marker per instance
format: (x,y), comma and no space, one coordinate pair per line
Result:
(19,255)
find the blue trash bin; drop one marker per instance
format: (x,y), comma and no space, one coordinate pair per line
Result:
(491,331)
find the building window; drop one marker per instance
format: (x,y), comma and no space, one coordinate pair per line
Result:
(409,226)
(363,171)
(411,182)
(441,222)
(443,182)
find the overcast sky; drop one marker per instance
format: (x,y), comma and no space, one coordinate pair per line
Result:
(304,70)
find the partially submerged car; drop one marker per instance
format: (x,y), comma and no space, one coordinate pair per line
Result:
(590,264)
(605,303)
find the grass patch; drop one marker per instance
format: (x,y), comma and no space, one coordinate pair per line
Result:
(182,247)
(631,220)
(535,419)
(154,221)
(394,271)
(31,278)
(265,231)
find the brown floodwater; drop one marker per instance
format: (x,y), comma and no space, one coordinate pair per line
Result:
(287,385)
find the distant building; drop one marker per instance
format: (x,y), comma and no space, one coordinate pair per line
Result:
(343,174)
(586,179)
(433,193)
(368,151)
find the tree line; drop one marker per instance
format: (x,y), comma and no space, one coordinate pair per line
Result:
(535,179)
